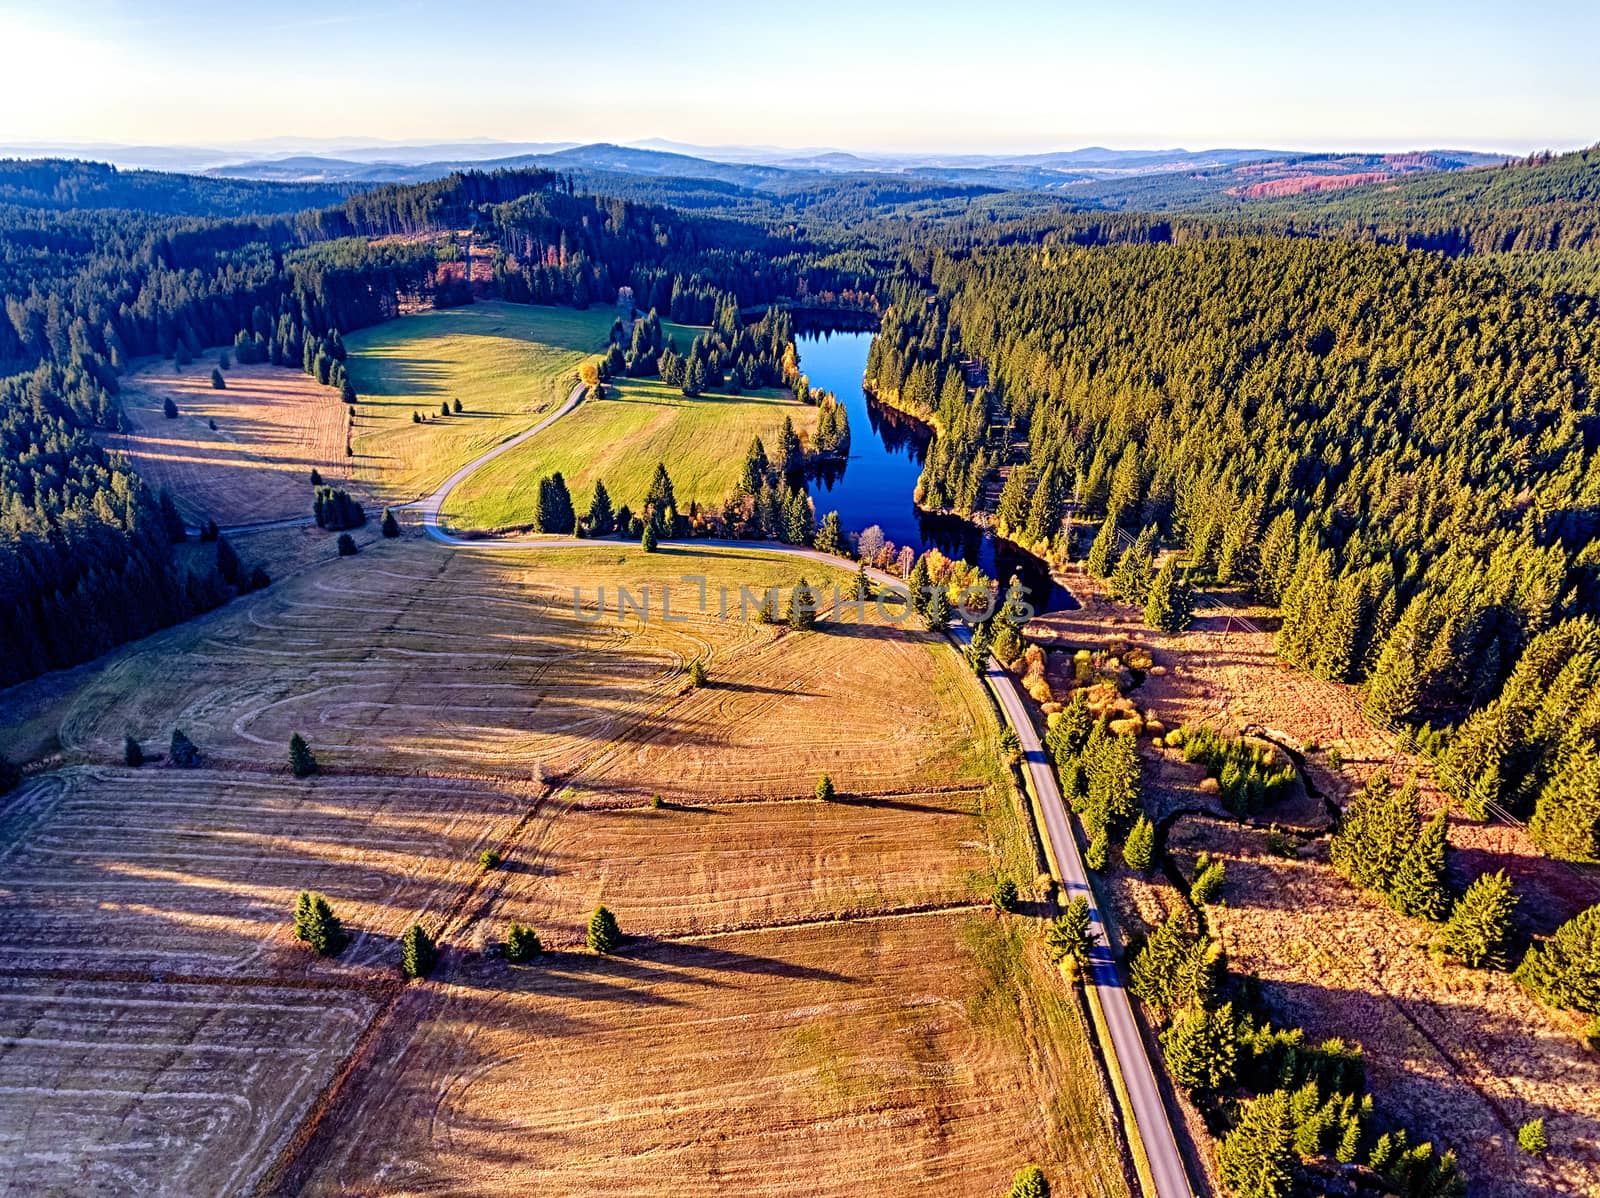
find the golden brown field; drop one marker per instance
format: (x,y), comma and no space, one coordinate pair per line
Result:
(812,994)
(274,426)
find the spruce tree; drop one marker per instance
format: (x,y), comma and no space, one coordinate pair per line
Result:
(861,585)
(1208,881)
(1068,936)
(1139,848)
(660,499)
(1480,925)
(802,613)
(521,944)
(182,751)
(1418,888)
(824,790)
(937,617)
(647,541)
(1102,554)
(302,762)
(418,953)
(604,934)
(218,383)
(1256,1159)
(317,925)
(977,650)
(1170,607)
(1565,969)
(560,518)
(829,538)
(227,562)
(390,527)
(132,752)
(602,520)
(918,582)
(1202,1048)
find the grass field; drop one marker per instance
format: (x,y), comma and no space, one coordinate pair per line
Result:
(812,995)
(274,426)
(619,440)
(507,364)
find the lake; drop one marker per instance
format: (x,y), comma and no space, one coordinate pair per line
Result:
(876,484)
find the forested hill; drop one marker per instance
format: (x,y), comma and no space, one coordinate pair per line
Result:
(1396,447)
(60,184)
(1540,203)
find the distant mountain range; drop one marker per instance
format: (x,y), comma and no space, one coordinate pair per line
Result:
(1093,176)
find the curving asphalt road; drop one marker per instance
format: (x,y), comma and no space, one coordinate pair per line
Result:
(1127,1045)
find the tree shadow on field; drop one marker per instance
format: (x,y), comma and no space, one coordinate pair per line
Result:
(751,688)
(925,806)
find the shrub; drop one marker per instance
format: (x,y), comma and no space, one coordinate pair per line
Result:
(522,943)
(1010,744)
(825,789)
(218,383)
(1335,759)
(1005,895)
(655,802)
(1030,1182)
(316,477)
(488,860)
(418,952)
(444,409)
(1531,1138)
(604,934)
(697,673)
(347,545)
(302,762)
(169,409)
(132,752)
(390,526)
(182,752)
(456,406)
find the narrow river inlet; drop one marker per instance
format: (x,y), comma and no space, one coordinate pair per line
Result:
(876,484)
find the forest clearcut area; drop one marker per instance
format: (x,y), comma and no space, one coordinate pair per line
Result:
(507,365)
(457,704)
(619,439)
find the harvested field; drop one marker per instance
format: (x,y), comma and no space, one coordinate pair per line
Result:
(274,426)
(145,1087)
(419,658)
(196,872)
(618,440)
(1462,1056)
(869,1018)
(703,867)
(815,1060)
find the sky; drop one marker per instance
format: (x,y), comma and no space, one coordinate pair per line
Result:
(993,76)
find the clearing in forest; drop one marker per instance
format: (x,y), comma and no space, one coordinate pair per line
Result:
(508,364)
(618,440)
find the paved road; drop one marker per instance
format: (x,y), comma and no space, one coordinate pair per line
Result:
(1127,1046)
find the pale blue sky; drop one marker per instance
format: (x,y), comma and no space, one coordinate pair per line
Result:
(863,74)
